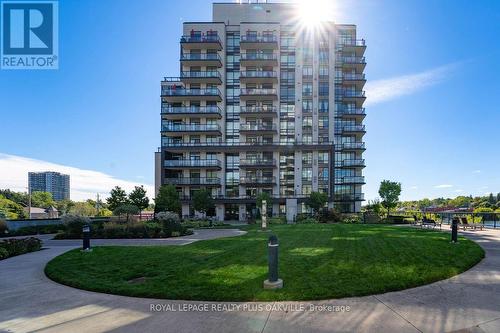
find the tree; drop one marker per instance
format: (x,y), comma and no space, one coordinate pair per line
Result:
(10,209)
(42,199)
(167,200)
(21,198)
(203,201)
(316,201)
(389,192)
(82,208)
(138,198)
(126,209)
(117,198)
(491,199)
(64,206)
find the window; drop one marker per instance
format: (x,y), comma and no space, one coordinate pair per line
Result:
(323,88)
(307,89)
(323,105)
(307,71)
(307,105)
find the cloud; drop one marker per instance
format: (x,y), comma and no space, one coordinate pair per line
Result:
(459,191)
(384,90)
(85,184)
(476,171)
(413,187)
(443,186)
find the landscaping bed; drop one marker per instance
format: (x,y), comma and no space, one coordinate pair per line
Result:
(16,246)
(316,261)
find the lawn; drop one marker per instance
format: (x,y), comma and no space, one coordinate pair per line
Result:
(317,261)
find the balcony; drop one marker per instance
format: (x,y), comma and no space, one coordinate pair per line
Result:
(179,112)
(359,63)
(249,163)
(187,181)
(350,163)
(201,77)
(352,146)
(350,96)
(350,180)
(258,42)
(263,110)
(349,197)
(258,59)
(192,164)
(179,129)
(257,181)
(348,78)
(179,95)
(358,113)
(258,93)
(353,129)
(201,59)
(352,45)
(258,76)
(258,128)
(201,42)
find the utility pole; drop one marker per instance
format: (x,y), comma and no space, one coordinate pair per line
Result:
(97,204)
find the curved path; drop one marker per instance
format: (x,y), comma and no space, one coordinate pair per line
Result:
(29,301)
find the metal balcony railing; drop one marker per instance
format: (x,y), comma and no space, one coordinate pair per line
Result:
(258,109)
(192,163)
(351,42)
(190,127)
(351,77)
(352,60)
(352,145)
(193,181)
(191,109)
(349,197)
(350,163)
(353,93)
(351,111)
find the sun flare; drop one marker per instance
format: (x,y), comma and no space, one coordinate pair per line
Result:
(311,13)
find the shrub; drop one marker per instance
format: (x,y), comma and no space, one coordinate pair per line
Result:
(277,220)
(74,224)
(351,218)
(3,253)
(202,223)
(330,216)
(307,220)
(3,227)
(16,246)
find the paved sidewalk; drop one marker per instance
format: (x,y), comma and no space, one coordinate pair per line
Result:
(469,302)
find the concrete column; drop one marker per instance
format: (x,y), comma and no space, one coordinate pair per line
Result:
(243,213)
(291,210)
(185,210)
(219,212)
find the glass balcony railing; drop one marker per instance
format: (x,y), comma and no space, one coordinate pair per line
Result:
(352,145)
(200,75)
(351,77)
(257,162)
(193,163)
(190,127)
(258,74)
(351,111)
(258,109)
(352,60)
(353,93)
(350,180)
(212,109)
(350,163)
(258,39)
(200,39)
(257,127)
(351,42)
(257,91)
(200,57)
(257,180)
(258,56)
(353,128)
(193,181)
(349,197)
(190,92)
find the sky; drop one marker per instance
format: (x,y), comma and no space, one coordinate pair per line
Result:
(432,120)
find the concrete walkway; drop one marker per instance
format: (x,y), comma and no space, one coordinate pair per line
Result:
(469,302)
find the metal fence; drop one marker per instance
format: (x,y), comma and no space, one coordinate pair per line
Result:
(487,220)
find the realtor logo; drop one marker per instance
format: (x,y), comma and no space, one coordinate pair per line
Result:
(29,33)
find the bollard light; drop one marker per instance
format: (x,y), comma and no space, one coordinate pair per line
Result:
(273,282)
(86,237)
(454,230)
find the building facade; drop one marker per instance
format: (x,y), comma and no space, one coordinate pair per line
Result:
(52,182)
(263,104)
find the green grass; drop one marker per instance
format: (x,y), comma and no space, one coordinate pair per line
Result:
(316,262)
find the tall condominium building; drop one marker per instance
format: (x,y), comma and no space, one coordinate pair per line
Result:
(52,182)
(264,104)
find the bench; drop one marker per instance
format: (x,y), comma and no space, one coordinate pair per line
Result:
(428,223)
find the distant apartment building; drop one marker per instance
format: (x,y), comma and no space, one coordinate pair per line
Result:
(52,182)
(263,105)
